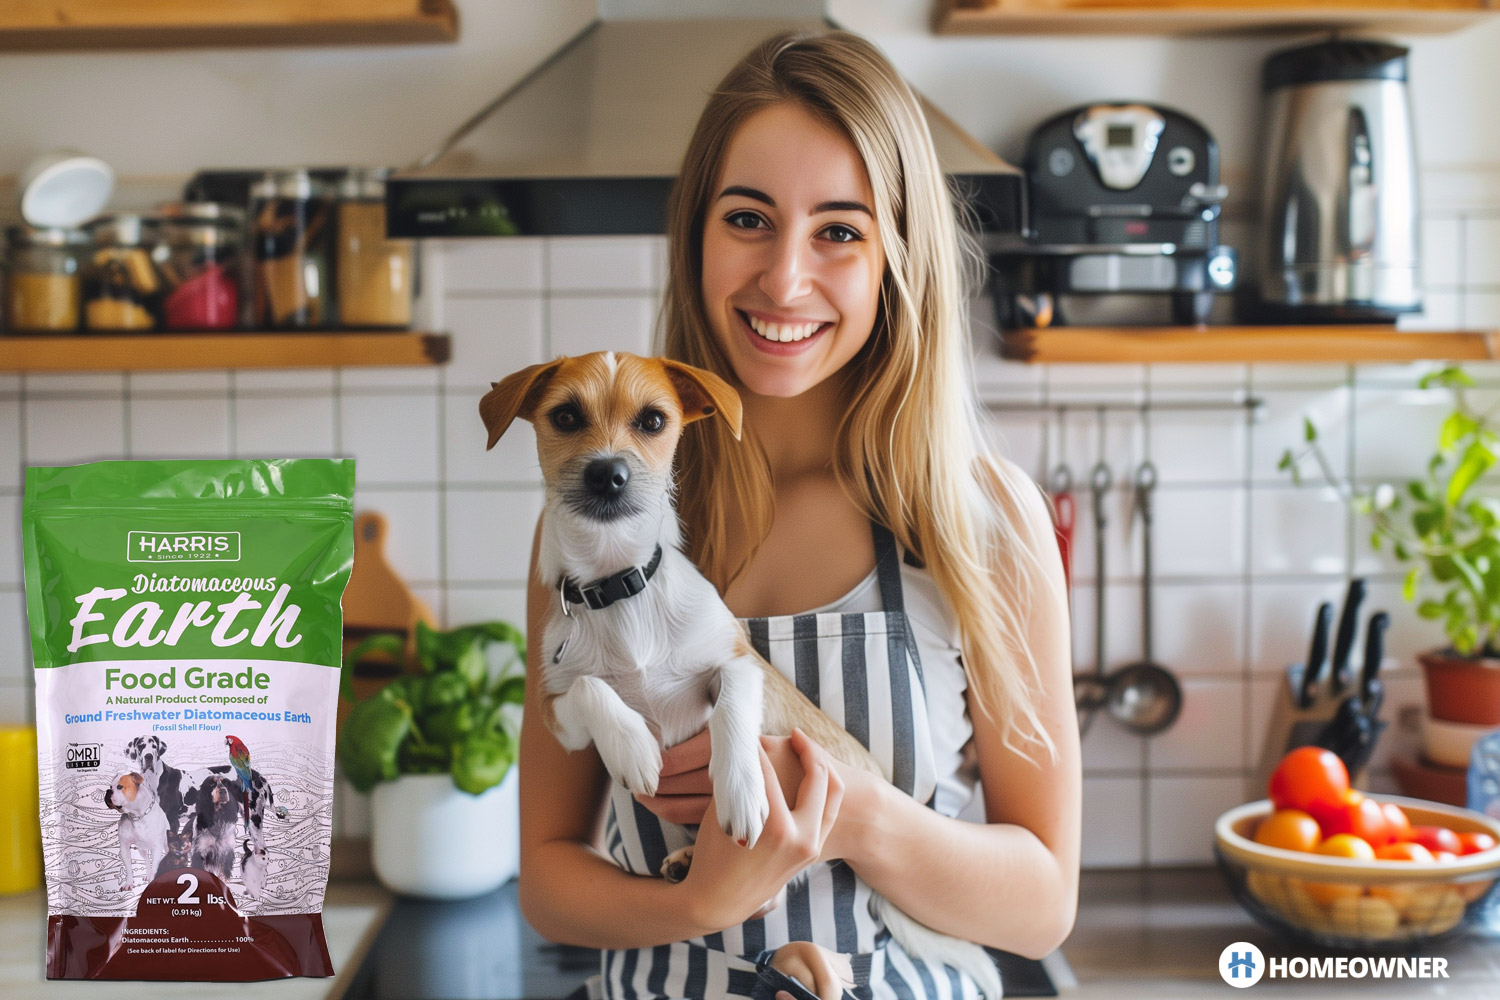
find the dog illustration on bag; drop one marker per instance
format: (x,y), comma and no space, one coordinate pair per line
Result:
(143,825)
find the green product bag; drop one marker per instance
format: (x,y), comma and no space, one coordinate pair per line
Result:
(187,633)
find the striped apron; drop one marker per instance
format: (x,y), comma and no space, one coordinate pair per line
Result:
(863,670)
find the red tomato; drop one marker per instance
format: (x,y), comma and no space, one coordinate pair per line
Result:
(1360,816)
(1396,821)
(1473,843)
(1404,851)
(1311,779)
(1436,838)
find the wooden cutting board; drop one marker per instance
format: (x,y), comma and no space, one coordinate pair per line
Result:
(378,600)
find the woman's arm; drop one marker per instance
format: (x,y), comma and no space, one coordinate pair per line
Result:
(572,893)
(1011,883)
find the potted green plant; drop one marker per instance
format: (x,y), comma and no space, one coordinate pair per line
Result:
(1448,533)
(435,748)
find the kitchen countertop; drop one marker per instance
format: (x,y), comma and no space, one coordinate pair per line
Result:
(352,913)
(1159,933)
(1139,934)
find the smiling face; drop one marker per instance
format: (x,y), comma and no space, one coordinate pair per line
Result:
(792,256)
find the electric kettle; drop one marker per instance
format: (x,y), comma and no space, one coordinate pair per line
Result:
(1339,212)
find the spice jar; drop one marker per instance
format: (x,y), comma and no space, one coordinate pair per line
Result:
(375,274)
(201,265)
(290,232)
(42,287)
(121,287)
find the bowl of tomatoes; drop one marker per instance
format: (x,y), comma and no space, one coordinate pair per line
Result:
(1328,864)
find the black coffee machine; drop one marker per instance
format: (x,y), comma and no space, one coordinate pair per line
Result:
(1124,199)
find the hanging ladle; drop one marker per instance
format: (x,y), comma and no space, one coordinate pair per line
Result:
(1143,696)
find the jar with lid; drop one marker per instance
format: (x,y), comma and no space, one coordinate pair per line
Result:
(375,274)
(42,279)
(122,289)
(290,232)
(201,252)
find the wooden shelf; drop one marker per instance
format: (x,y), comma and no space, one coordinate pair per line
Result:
(1232,344)
(1185,17)
(156,352)
(32,25)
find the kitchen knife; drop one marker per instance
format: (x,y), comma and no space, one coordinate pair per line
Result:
(1371,690)
(1313,669)
(1343,643)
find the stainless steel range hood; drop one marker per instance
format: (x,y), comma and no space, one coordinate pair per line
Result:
(589,142)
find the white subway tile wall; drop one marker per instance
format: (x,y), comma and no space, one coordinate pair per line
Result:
(1242,556)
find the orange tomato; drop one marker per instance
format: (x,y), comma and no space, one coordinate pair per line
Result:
(1403,851)
(1359,815)
(1396,821)
(1340,845)
(1436,838)
(1290,829)
(1346,845)
(1473,843)
(1311,779)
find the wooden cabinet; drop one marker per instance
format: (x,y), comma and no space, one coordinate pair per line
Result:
(33,25)
(1205,17)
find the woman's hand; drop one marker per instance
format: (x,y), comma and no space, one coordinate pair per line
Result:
(729,883)
(826,973)
(683,792)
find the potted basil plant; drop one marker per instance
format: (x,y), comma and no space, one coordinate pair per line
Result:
(1448,532)
(436,749)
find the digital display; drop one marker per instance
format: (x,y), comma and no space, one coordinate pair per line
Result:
(1116,136)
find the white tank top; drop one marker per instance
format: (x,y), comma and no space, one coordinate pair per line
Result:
(936,630)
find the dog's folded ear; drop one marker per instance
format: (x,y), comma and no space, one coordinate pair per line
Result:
(514,396)
(703,394)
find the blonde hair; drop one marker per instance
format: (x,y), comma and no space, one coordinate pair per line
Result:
(909,449)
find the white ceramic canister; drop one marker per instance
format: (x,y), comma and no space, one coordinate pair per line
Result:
(431,840)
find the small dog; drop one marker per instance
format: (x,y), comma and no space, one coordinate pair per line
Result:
(218,804)
(142,825)
(176,790)
(657,654)
(261,798)
(253,868)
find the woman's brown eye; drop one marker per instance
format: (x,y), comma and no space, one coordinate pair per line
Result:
(651,421)
(567,418)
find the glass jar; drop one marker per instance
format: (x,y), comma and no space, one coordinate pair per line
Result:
(201,254)
(42,286)
(290,233)
(374,274)
(122,289)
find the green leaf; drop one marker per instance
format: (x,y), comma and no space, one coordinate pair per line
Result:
(1475,463)
(444,690)
(1309,431)
(512,691)
(1418,490)
(1456,427)
(1376,541)
(450,725)
(1401,552)
(391,645)
(370,739)
(1409,585)
(1431,610)
(480,762)
(1287,461)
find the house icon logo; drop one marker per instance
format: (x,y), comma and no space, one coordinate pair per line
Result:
(1242,964)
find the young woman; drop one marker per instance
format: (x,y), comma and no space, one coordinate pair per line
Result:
(907,580)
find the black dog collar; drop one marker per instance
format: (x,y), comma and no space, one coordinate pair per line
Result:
(616,587)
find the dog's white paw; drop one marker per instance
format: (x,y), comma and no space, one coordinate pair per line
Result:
(632,757)
(740,799)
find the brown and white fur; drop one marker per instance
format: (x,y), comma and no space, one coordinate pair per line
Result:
(142,825)
(652,670)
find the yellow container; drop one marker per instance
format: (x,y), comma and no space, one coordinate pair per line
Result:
(20,813)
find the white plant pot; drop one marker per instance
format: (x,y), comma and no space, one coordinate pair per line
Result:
(430,839)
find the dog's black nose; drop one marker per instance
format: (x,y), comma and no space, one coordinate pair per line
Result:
(606,477)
